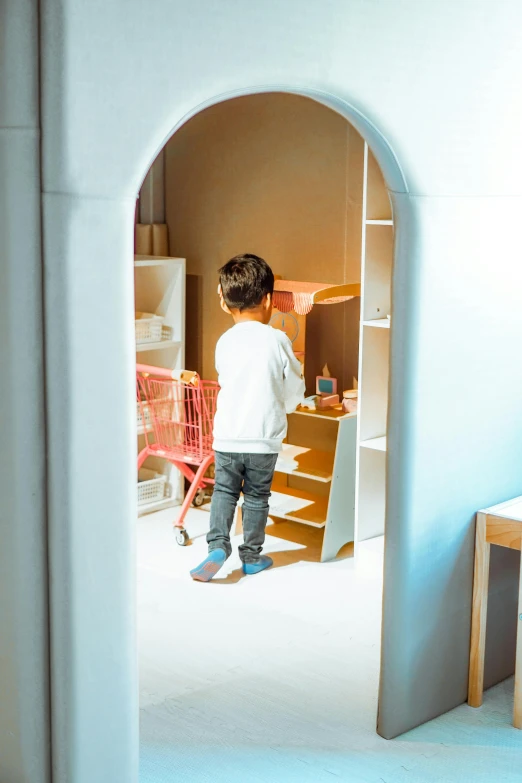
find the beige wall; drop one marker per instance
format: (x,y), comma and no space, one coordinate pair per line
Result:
(279,176)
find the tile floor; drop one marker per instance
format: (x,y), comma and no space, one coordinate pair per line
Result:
(273,678)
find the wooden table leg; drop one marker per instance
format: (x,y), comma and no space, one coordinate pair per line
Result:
(517,711)
(479,614)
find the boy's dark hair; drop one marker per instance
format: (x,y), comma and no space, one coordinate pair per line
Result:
(245,280)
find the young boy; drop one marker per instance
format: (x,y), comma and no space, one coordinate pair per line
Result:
(261,381)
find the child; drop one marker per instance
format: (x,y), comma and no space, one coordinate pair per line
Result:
(261,381)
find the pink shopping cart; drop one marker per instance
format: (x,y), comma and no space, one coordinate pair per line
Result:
(180,408)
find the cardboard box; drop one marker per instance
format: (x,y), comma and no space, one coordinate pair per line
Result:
(143,239)
(160,239)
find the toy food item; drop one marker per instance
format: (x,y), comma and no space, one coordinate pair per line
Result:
(328,400)
(350,401)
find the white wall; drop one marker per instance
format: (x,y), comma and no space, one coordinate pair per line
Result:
(24,664)
(436,77)
(441,81)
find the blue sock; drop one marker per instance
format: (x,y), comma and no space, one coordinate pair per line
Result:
(254,568)
(210,566)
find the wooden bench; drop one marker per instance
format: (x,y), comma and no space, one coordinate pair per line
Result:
(501,526)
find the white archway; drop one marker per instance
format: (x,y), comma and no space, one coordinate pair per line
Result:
(463,173)
(376,140)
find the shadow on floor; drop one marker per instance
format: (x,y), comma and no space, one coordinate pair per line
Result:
(309,541)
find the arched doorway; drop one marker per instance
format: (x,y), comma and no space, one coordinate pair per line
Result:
(93,616)
(372,217)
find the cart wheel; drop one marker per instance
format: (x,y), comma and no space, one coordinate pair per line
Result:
(182,537)
(199,498)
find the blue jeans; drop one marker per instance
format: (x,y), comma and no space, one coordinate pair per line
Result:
(252,475)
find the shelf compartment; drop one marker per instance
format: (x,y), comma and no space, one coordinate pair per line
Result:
(378,205)
(140,347)
(372,495)
(380,323)
(153,487)
(373,387)
(149,328)
(377,444)
(159,285)
(312,464)
(149,508)
(378,263)
(296,505)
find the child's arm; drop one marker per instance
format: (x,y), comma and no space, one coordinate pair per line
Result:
(293,383)
(217,355)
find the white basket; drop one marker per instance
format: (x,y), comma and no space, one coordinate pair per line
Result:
(149,328)
(167,332)
(152,487)
(143,417)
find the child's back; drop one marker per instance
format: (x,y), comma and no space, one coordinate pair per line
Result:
(261,381)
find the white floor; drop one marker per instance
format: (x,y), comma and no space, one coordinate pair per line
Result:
(273,678)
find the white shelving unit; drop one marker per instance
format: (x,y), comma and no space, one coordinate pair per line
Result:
(374,351)
(159,284)
(327,489)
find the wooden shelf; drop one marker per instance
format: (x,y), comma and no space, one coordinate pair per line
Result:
(334,413)
(311,463)
(379,222)
(381,323)
(313,512)
(157,346)
(377,444)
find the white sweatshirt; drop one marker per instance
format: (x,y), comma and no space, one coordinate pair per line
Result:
(261,381)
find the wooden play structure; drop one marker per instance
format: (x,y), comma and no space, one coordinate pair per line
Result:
(314,483)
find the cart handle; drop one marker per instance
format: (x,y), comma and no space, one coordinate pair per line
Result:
(185,376)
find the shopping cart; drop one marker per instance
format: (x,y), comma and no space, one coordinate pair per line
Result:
(180,408)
